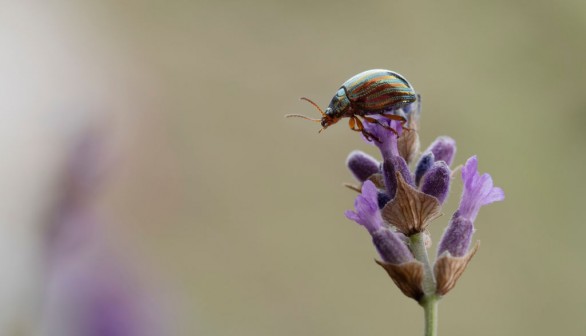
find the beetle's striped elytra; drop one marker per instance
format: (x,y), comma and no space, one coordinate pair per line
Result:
(372,92)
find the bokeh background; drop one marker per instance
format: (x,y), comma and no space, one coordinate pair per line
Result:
(229,217)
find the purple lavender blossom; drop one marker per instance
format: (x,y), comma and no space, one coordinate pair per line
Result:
(478,191)
(89,290)
(367,213)
(362,165)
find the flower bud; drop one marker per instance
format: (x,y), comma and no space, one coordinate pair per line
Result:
(457,237)
(390,246)
(362,165)
(436,181)
(390,167)
(443,149)
(382,199)
(425,162)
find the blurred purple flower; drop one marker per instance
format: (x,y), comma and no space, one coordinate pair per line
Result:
(89,291)
(92,295)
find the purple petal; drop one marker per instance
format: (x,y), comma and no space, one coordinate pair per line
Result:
(351,215)
(366,211)
(478,190)
(369,191)
(469,170)
(495,195)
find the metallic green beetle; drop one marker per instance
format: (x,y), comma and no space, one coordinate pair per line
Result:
(370,92)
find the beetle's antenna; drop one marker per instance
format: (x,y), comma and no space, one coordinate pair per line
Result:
(308,118)
(301,116)
(314,104)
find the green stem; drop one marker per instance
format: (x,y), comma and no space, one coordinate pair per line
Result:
(430,310)
(420,253)
(429,302)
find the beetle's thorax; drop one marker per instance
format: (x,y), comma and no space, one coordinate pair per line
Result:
(339,105)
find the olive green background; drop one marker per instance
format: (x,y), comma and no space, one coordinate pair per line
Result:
(238,212)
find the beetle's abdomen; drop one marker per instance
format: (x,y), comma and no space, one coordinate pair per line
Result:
(378,90)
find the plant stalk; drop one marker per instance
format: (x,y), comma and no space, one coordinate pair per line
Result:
(429,305)
(429,302)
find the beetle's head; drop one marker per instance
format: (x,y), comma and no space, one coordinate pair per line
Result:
(327,117)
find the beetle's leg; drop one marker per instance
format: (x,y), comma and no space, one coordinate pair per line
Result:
(376,121)
(369,136)
(356,125)
(394,117)
(353,125)
(399,118)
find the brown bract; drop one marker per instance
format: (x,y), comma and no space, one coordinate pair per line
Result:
(408,145)
(407,276)
(448,269)
(410,211)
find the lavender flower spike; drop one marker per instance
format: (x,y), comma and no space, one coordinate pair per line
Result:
(367,213)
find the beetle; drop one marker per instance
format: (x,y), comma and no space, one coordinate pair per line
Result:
(372,92)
